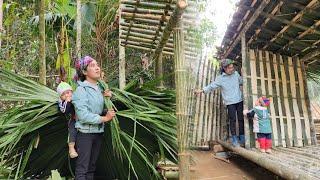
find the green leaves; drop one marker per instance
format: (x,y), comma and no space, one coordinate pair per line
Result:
(143,128)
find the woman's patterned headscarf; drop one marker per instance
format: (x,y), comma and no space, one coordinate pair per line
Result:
(81,65)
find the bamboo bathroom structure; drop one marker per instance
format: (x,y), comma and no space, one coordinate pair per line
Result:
(274,44)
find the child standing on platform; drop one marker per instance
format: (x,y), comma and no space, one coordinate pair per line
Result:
(261,123)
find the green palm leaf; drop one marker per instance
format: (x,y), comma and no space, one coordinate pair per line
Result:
(141,133)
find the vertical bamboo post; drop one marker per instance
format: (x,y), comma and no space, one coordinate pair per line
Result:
(286,101)
(181,99)
(272,109)
(78,39)
(202,103)
(206,104)
(297,119)
(279,102)
(197,108)
(159,70)
(245,86)
(42,51)
(122,61)
(303,101)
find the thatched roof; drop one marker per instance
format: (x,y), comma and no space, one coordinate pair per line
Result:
(288,27)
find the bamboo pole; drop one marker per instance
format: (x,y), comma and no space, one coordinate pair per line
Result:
(127,15)
(295,103)
(122,56)
(143,11)
(264,161)
(147,4)
(254,88)
(42,47)
(303,101)
(180,79)
(276,73)
(197,110)
(211,119)
(202,103)
(286,102)
(78,39)
(206,114)
(272,109)
(245,69)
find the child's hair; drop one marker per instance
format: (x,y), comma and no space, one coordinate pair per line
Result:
(264,101)
(63,87)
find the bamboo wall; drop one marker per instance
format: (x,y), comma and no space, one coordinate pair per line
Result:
(281,78)
(205,114)
(284,80)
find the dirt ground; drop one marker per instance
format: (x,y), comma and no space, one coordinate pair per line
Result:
(206,167)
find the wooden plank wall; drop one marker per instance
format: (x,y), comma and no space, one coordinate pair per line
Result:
(283,80)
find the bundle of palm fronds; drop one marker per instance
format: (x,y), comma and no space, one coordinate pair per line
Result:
(33,134)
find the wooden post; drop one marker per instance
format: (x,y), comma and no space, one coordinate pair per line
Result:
(181,99)
(245,88)
(159,71)
(78,40)
(122,59)
(42,50)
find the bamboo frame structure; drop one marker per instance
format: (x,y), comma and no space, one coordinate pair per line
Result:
(287,92)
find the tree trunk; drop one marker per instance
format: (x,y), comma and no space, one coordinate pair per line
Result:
(159,71)
(1,19)
(42,51)
(78,40)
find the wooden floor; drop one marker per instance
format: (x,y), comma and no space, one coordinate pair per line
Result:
(206,167)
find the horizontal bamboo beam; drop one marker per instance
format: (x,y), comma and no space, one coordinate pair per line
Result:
(147,4)
(147,49)
(142,26)
(263,160)
(148,44)
(127,15)
(142,11)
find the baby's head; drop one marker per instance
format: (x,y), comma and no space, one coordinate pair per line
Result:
(263,101)
(64,90)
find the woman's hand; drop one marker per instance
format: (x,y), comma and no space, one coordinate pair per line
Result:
(107,93)
(109,116)
(198,91)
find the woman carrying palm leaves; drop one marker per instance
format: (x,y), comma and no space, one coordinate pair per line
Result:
(89,107)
